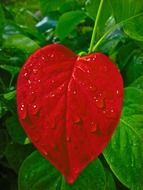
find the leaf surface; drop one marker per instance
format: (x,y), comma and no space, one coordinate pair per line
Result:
(68,104)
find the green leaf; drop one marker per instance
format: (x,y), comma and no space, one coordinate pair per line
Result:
(3,141)
(138,83)
(49,6)
(67,22)
(15,154)
(110,183)
(133,68)
(37,173)
(15,130)
(20,42)
(10,95)
(134,28)
(124,153)
(13,70)
(123,10)
(125,53)
(2,21)
(129,13)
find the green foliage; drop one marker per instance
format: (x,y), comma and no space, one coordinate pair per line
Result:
(28,25)
(36,173)
(67,23)
(124,153)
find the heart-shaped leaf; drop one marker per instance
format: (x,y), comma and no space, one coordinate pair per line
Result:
(69,106)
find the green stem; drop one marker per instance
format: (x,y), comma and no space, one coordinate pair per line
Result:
(95,26)
(112,28)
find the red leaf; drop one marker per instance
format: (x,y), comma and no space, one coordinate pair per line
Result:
(69,106)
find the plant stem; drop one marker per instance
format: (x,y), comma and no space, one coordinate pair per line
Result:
(95,26)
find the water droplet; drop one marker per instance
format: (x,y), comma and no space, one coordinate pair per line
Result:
(110,113)
(88,59)
(52,55)
(45,153)
(35,71)
(93,127)
(29,81)
(22,111)
(52,81)
(74,92)
(88,71)
(68,139)
(92,88)
(78,121)
(52,95)
(34,109)
(26,75)
(39,80)
(43,58)
(117,91)
(100,103)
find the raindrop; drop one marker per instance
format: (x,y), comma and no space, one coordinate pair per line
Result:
(26,75)
(29,81)
(45,153)
(22,111)
(93,128)
(74,92)
(117,92)
(34,109)
(68,139)
(92,88)
(35,71)
(52,95)
(100,103)
(88,59)
(111,113)
(78,121)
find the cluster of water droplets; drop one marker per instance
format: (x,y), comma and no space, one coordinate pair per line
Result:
(22,111)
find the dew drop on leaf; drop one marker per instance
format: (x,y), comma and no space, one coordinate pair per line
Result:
(78,121)
(34,108)
(29,81)
(35,71)
(52,95)
(23,111)
(74,92)
(110,113)
(68,139)
(93,127)
(25,75)
(100,103)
